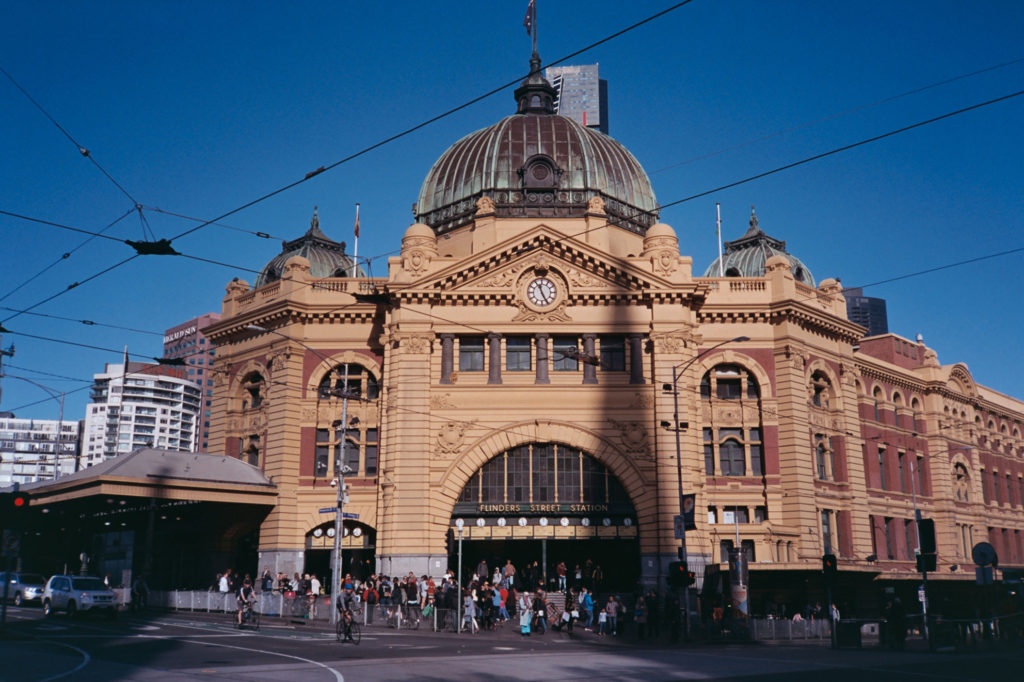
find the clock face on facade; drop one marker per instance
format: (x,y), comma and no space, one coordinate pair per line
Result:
(542,292)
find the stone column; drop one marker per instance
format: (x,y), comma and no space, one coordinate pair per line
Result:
(447,357)
(589,370)
(636,358)
(494,360)
(542,359)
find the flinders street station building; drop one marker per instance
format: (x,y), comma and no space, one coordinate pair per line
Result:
(543,373)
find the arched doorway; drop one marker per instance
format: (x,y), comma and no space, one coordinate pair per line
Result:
(358,548)
(550,503)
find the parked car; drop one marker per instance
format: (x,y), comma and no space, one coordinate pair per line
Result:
(73,593)
(23,587)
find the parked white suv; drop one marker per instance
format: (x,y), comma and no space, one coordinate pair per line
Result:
(73,593)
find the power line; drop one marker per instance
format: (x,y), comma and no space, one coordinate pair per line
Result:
(81,148)
(323,169)
(49,374)
(43,400)
(840,114)
(89,323)
(262,235)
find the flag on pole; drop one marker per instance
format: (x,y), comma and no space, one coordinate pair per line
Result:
(531,12)
(355,254)
(357,221)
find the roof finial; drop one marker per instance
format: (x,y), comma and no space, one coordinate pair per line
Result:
(753,218)
(314,224)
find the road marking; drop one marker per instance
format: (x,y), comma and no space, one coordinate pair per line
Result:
(337,676)
(85,662)
(51,628)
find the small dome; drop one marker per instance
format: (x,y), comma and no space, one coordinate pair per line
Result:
(746,257)
(660,230)
(536,164)
(419,230)
(327,258)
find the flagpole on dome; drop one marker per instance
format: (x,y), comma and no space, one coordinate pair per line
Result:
(530,22)
(355,249)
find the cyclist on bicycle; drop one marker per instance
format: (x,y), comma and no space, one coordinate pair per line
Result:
(346,604)
(246,599)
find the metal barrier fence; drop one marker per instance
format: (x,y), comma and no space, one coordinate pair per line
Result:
(775,628)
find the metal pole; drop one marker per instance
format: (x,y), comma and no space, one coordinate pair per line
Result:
(683,556)
(924,574)
(458,589)
(339,510)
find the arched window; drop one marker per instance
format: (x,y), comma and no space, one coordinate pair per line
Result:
(731,458)
(821,390)
(961,483)
(729,382)
(253,387)
(349,379)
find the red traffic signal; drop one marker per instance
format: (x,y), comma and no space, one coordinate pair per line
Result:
(691,578)
(19,500)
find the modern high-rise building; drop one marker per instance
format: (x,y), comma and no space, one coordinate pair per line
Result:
(582,94)
(188,342)
(147,405)
(30,450)
(866,311)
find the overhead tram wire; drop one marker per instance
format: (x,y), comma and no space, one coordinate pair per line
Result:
(89,323)
(81,148)
(323,169)
(49,374)
(260,234)
(362,152)
(66,254)
(840,114)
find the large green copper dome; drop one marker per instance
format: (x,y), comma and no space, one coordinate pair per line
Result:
(746,257)
(536,164)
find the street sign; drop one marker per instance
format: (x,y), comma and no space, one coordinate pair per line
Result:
(678,524)
(349,515)
(328,510)
(920,594)
(344,515)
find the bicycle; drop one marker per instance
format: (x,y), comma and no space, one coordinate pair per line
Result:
(250,617)
(348,623)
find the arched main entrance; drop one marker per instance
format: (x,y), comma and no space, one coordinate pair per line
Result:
(549,503)
(358,547)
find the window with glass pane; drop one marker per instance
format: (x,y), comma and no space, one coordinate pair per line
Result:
(890,550)
(517,354)
(371,451)
(543,473)
(351,450)
(568,475)
(826,530)
(739,514)
(756,453)
(753,390)
(820,456)
(747,548)
(881,468)
(492,479)
(760,514)
(730,457)
(594,489)
(705,386)
(725,547)
(471,493)
(613,353)
(729,382)
(518,466)
(564,347)
(471,353)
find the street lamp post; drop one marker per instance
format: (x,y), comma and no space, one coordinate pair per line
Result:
(53,393)
(677,373)
(339,468)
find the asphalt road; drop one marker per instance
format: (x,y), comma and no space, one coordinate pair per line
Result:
(179,647)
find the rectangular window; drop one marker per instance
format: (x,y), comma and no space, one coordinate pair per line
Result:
(471,354)
(709,453)
(517,354)
(613,353)
(820,459)
(735,515)
(1020,491)
(321,463)
(564,356)
(371,452)
(826,530)
(760,514)
(890,549)
(543,474)
(900,459)
(917,475)
(747,547)
(832,456)
(881,469)
(568,475)
(1009,491)
(351,450)
(995,487)
(517,464)
(725,547)
(984,488)
(712,515)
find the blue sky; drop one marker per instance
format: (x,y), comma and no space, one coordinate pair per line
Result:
(198,108)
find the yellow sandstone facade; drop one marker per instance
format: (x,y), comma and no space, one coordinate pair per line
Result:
(511,371)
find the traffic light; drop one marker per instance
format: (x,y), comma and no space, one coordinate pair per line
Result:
(449,541)
(691,578)
(926,531)
(926,563)
(829,567)
(677,574)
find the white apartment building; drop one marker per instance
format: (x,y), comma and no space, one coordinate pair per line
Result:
(30,450)
(147,405)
